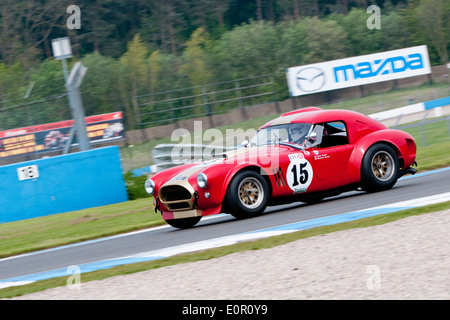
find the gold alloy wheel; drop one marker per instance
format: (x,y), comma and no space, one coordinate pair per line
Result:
(383,165)
(251,192)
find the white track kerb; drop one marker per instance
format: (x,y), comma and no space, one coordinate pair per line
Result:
(231,239)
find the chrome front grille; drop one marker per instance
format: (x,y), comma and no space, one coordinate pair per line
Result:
(176,198)
(179,206)
(175,193)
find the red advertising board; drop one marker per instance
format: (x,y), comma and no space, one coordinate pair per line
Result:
(53,136)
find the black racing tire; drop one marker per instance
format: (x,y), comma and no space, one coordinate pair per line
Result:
(247,195)
(380,168)
(184,223)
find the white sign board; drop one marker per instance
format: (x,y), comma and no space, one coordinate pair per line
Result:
(356,71)
(30,172)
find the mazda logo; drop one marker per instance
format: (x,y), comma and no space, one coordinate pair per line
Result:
(310,79)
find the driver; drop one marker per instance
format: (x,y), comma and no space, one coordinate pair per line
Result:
(298,134)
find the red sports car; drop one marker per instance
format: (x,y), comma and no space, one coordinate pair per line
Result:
(303,155)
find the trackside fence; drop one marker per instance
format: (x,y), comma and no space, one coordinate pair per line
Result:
(428,132)
(171,106)
(16,148)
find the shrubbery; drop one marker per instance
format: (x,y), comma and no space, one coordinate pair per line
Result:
(135,186)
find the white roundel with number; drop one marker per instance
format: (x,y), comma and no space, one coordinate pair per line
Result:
(299,173)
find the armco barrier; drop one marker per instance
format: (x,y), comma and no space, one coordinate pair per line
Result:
(169,155)
(413,108)
(59,184)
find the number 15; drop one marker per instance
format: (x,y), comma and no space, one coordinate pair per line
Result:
(303,174)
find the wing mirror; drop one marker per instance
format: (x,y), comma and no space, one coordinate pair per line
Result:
(312,137)
(310,140)
(244,143)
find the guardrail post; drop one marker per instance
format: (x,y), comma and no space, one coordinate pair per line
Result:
(241,104)
(448,126)
(422,131)
(174,112)
(207,107)
(277,105)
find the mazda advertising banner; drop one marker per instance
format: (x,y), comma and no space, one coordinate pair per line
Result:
(53,136)
(356,71)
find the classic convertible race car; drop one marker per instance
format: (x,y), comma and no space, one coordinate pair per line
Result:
(303,155)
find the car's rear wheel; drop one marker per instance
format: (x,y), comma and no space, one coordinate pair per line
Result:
(380,168)
(184,223)
(247,195)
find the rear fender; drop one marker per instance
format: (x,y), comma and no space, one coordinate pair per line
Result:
(402,142)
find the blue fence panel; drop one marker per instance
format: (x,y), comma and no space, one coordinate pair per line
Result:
(64,183)
(437,103)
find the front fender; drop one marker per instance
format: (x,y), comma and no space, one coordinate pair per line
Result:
(219,178)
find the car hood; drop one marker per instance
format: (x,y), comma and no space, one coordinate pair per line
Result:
(261,156)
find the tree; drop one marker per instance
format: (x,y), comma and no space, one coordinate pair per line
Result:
(194,57)
(326,40)
(194,67)
(11,81)
(155,69)
(362,40)
(251,49)
(25,29)
(135,74)
(432,16)
(98,84)
(293,48)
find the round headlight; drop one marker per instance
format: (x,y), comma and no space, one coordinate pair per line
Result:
(202,180)
(149,186)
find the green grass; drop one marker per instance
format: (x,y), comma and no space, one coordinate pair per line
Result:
(433,146)
(433,157)
(435,132)
(65,228)
(222,251)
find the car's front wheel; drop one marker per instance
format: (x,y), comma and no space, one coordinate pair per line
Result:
(247,195)
(380,168)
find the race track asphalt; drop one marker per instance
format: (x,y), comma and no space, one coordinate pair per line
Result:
(411,187)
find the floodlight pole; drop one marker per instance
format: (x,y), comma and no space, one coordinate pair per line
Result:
(66,73)
(76,106)
(61,51)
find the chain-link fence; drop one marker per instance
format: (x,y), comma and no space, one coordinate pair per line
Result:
(22,135)
(170,106)
(428,131)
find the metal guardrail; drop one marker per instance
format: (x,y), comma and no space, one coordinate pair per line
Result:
(169,155)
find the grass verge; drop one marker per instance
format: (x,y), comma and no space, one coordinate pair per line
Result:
(222,251)
(70,227)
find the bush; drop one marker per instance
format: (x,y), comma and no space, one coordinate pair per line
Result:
(135,186)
